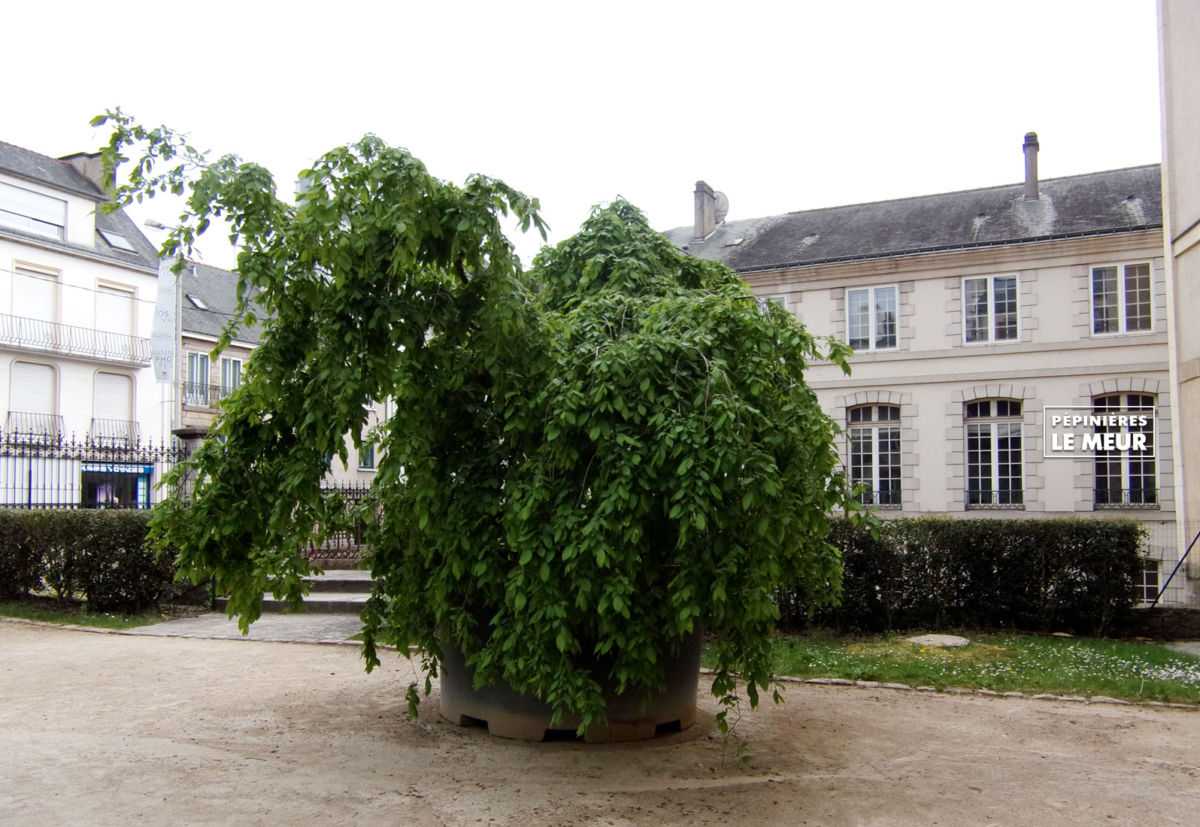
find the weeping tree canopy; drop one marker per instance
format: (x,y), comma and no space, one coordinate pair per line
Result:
(588,460)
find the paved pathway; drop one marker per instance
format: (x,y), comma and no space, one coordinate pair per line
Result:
(305,627)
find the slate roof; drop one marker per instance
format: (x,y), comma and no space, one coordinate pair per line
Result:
(59,174)
(217,290)
(1122,200)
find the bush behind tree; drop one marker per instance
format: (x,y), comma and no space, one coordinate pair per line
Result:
(941,573)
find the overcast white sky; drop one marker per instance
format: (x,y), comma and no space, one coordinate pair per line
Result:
(782,106)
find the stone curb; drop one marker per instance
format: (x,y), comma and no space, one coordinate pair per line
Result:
(133,632)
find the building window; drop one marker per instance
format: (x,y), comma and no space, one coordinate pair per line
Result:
(35,295)
(112,407)
(1146,586)
(1126,478)
(366,456)
(195,389)
(874,440)
(872,318)
(231,375)
(32,212)
(1121,298)
(990,309)
(994,445)
(31,405)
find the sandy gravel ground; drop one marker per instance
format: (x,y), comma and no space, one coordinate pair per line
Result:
(117,729)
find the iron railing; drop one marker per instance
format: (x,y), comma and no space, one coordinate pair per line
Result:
(33,427)
(51,337)
(977,498)
(889,498)
(115,432)
(1112,498)
(82,473)
(202,394)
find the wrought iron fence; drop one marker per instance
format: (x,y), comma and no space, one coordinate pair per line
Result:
(93,472)
(202,394)
(986,498)
(344,545)
(1116,498)
(51,337)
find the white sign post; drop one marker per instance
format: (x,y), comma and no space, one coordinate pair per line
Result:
(164,336)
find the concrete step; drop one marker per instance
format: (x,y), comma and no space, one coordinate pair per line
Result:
(335,592)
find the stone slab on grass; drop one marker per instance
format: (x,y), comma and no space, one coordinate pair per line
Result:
(939,640)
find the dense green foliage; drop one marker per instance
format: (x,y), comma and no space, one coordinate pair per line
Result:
(586,460)
(942,573)
(102,555)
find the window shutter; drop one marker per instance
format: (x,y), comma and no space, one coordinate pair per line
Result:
(114,310)
(113,396)
(34,295)
(32,388)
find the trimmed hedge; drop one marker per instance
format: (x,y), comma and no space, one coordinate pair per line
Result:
(941,573)
(99,554)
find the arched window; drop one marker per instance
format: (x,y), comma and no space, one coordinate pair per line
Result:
(994,446)
(874,437)
(1126,471)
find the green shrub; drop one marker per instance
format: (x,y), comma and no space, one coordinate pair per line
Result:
(21,563)
(940,573)
(102,555)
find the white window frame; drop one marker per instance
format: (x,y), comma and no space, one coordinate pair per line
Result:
(991,311)
(195,387)
(997,427)
(856,431)
(227,363)
(124,291)
(366,456)
(23,271)
(872,317)
(1123,458)
(1122,297)
(31,217)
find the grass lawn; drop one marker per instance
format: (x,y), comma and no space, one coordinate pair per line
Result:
(1130,670)
(75,613)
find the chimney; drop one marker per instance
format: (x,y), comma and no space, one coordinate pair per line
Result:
(706,210)
(1031,175)
(91,167)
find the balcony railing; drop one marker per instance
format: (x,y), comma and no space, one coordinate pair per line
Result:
(995,499)
(115,432)
(880,499)
(1111,498)
(33,428)
(203,395)
(50,337)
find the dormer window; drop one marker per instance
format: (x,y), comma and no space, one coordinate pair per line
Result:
(196,301)
(32,212)
(117,241)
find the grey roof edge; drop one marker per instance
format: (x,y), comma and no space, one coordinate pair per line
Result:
(947,248)
(32,166)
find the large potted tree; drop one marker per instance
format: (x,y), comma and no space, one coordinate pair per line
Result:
(590,462)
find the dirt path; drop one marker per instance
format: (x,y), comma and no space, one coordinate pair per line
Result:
(115,729)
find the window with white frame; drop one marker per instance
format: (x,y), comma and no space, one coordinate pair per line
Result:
(1146,586)
(1126,478)
(1121,298)
(35,295)
(195,389)
(873,317)
(114,309)
(366,456)
(112,409)
(231,375)
(873,434)
(989,309)
(994,445)
(32,212)
(31,404)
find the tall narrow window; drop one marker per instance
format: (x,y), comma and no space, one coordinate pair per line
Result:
(35,294)
(1126,478)
(994,445)
(115,321)
(366,456)
(112,409)
(990,309)
(231,375)
(872,318)
(1121,298)
(874,440)
(195,389)
(31,405)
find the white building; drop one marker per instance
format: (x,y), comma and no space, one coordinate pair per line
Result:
(77,292)
(972,314)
